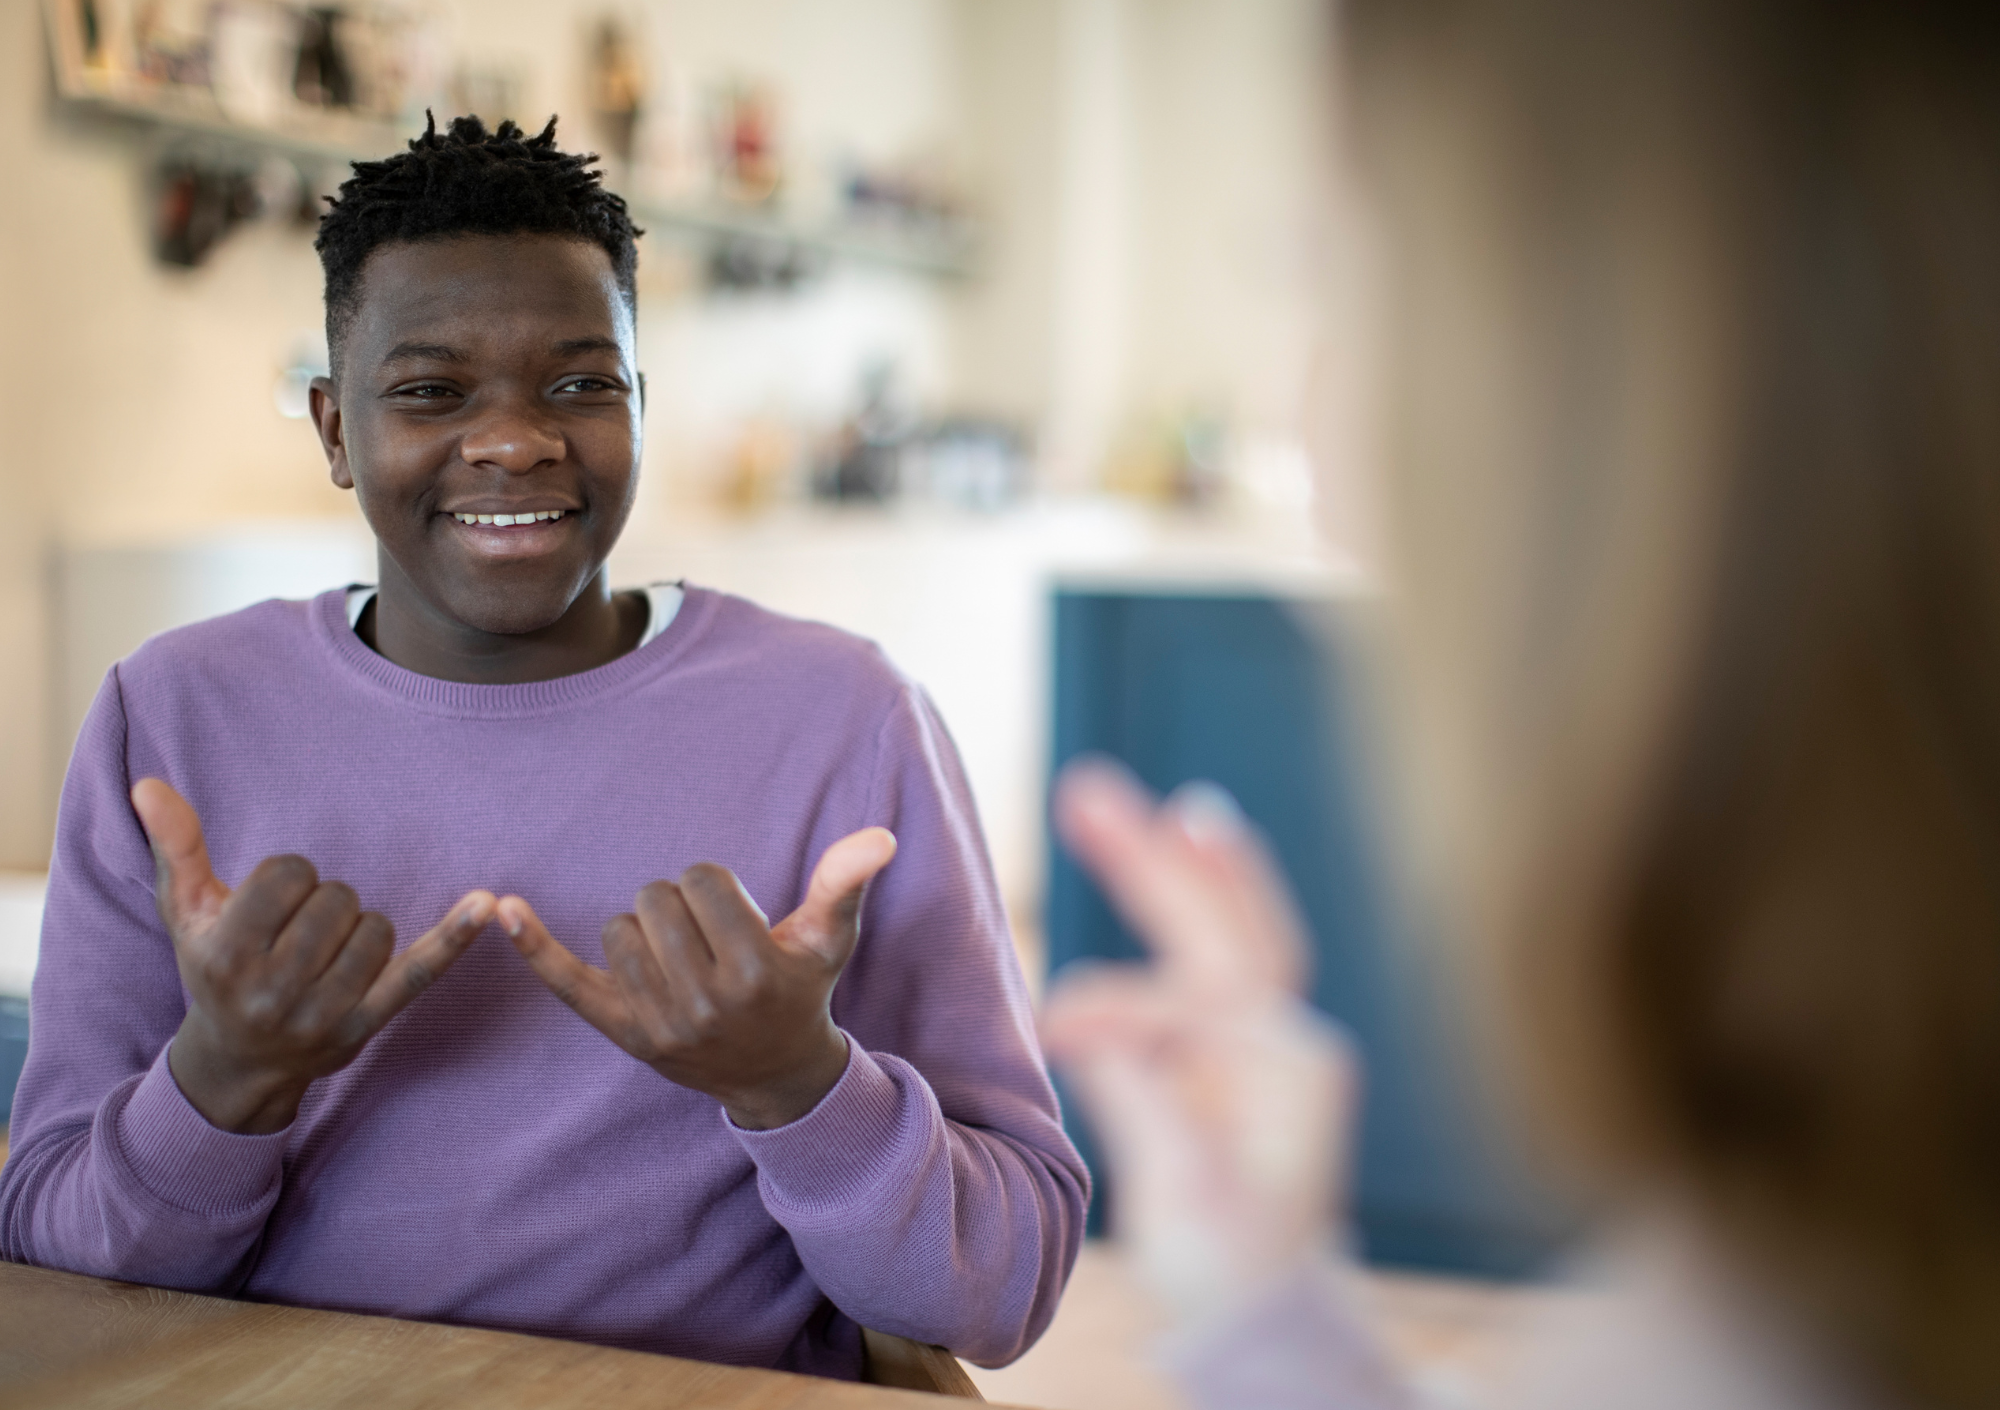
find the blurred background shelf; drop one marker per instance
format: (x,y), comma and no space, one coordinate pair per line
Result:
(193,116)
(939,254)
(192,119)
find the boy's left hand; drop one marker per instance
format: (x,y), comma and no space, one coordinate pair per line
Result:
(710,995)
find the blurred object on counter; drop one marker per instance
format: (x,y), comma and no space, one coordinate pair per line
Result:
(864,462)
(1197,460)
(617,87)
(884,452)
(1182,459)
(966,462)
(761,466)
(749,160)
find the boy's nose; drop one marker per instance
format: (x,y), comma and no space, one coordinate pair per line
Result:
(511,441)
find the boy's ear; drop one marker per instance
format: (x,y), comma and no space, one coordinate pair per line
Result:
(323,398)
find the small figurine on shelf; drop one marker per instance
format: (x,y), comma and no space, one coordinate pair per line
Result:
(671,159)
(253,55)
(617,87)
(323,77)
(749,164)
(170,43)
(195,207)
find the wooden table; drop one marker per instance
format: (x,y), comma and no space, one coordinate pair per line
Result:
(73,1341)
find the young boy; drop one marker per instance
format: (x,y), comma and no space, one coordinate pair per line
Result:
(832,1121)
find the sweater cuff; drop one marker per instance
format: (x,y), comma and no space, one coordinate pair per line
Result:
(170,1151)
(855,1140)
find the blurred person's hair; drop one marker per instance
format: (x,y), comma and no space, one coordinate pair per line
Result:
(468,181)
(1697,487)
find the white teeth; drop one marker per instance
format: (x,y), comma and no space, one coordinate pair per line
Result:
(508,521)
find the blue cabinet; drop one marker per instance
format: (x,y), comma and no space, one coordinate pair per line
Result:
(13,1050)
(1244,691)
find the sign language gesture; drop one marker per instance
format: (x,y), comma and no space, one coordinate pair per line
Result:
(1221,1099)
(703,989)
(288,977)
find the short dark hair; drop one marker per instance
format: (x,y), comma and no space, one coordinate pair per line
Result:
(467,181)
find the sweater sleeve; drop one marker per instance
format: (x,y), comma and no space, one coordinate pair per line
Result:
(112,1172)
(932,1193)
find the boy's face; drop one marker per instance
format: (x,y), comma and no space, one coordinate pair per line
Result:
(481,376)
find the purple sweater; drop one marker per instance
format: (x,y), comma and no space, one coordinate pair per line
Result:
(490,1159)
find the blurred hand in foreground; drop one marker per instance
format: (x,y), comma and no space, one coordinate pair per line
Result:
(1223,1102)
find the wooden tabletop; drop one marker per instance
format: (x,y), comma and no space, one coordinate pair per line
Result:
(74,1341)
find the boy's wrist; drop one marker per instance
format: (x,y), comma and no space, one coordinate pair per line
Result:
(227,1096)
(785,1100)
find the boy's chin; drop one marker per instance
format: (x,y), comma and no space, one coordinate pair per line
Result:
(516,610)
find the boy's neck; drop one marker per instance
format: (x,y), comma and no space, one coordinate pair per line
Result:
(598,628)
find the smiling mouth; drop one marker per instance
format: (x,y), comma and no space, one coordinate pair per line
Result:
(504,521)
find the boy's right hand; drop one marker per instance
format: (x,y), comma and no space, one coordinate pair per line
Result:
(288,977)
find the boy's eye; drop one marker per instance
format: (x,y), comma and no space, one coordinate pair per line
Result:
(587,384)
(427,391)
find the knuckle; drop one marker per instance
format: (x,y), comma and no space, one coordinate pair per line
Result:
(707,875)
(290,871)
(657,893)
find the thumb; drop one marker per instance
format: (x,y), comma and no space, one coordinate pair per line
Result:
(189,896)
(828,920)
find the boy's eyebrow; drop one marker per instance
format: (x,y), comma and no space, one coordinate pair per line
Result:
(583,345)
(424,352)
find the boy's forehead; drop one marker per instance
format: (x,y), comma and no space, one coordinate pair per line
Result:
(491,287)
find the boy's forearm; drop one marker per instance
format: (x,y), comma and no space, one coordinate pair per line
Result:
(891,1206)
(146,1191)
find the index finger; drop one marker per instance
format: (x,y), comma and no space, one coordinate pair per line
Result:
(1225,927)
(417,968)
(585,988)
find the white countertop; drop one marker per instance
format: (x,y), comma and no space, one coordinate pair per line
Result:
(20,929)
